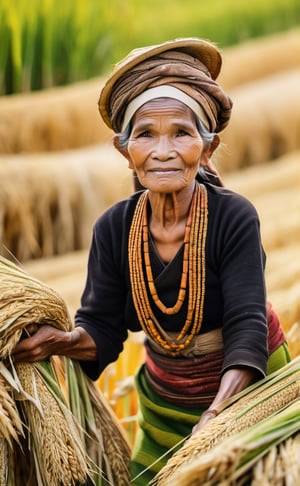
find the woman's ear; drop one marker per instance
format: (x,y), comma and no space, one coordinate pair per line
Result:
(207,154)
(117,145)
(123,150)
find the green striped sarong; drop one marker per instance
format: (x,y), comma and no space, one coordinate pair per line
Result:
(163,427)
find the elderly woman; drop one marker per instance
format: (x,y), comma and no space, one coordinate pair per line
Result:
(182,259)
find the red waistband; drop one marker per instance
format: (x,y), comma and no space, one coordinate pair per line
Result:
(276,336)
(192,382)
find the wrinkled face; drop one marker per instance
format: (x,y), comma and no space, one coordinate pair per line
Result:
(165,147)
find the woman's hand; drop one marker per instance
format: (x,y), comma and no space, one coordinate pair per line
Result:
(233,381)
(205,417)
(75,344)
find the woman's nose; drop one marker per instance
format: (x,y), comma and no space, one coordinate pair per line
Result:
(164,149)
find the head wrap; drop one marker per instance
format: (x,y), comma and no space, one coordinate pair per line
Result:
(171,67)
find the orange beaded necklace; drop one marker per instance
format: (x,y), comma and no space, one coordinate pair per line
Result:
(193,273)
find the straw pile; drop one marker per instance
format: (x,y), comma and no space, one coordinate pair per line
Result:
(259,58)
(52,120)
(49,203)
(58,431)
(265,121)
(228,448)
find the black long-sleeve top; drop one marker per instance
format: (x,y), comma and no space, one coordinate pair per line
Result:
(234,289)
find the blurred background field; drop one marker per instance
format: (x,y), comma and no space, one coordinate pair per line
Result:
(52,42)
(59,171)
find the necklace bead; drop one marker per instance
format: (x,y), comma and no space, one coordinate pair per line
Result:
(192,278)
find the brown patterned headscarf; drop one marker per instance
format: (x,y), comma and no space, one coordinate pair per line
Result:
(174,68)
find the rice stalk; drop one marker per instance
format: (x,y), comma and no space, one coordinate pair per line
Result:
(280,466)
(67,42)
(21,470)
(254,404)
(106,442)
(57,449)
(3,461)
(10,423)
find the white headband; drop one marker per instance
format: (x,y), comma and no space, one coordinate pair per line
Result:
(164,91)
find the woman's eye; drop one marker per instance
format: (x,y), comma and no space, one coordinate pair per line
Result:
(146,133)
(182,133)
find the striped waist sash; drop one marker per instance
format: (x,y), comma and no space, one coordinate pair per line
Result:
(191,380)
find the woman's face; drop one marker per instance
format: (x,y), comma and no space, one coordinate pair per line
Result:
(165,148)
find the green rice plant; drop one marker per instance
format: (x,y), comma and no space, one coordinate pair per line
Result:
(50,42)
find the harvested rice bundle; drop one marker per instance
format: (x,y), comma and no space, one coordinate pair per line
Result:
(58,441)
(11,428)
(25,304)
(11,425)
(280,465)
(252,406)
(259,455)
(282,173)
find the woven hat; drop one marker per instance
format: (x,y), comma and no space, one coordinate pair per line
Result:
(202,50)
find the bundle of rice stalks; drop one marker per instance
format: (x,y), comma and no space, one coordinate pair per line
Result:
(266,453)
(247,427)
(25,304)
(48,436)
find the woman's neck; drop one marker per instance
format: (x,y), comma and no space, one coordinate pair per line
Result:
(167,220)
(169,209)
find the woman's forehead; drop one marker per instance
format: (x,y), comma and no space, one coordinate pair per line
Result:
(168,107)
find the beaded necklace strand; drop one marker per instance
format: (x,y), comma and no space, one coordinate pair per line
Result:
(192,278)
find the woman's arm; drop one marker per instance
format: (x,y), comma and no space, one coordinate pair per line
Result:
(241,260)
